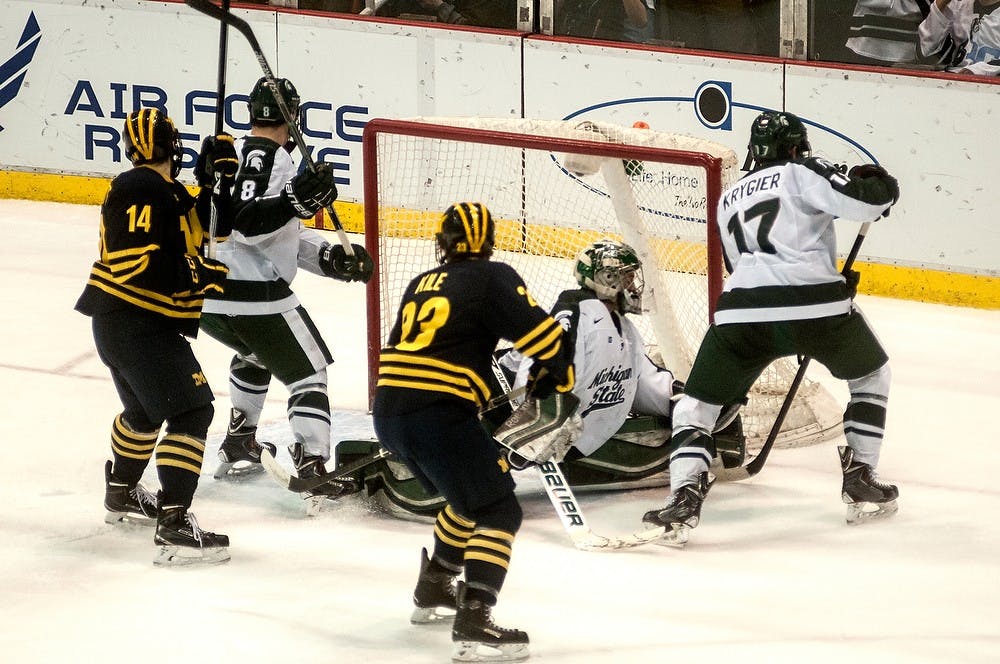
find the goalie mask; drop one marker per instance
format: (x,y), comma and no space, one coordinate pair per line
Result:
(466,231)
(150,137)
(773,137)
(264,109)
(613,271)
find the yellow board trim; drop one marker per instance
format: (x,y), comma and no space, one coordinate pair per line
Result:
(899,282)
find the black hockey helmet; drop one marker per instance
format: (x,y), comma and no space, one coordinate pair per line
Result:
(264,107)
(466,230)
(773,136)
(151,137)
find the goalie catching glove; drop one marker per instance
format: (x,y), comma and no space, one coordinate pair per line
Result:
(541,430)
(335,263)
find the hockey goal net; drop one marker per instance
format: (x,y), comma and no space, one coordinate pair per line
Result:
(553,187)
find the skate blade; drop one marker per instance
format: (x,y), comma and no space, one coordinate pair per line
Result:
(474,651)
(128,518)
(431,615)
(169,555)
(674,537)
(238,471)
(858,513)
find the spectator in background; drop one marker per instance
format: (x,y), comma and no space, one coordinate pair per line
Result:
(886,33)
(734,26)
(336,6)
(611,20)
(967,32)
(483,13)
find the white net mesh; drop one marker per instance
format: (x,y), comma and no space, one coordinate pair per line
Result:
(550,200)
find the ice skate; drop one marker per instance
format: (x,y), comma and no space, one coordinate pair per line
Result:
(435,598)
(182,542)
(476,638)
(867,498)
(125,503)
(681,514)
(308,466)
(239,453)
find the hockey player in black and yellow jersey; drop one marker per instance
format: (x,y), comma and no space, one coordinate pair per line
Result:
(432,380)
(144,296)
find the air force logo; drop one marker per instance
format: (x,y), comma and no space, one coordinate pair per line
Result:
(15,68)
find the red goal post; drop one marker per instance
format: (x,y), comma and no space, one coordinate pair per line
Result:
(553,187)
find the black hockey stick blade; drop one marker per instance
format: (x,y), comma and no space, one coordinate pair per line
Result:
(218,13)
(343,476)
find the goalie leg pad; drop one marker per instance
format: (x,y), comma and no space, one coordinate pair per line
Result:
(541,429)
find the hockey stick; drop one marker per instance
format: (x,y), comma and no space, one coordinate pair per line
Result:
(571,516)
(207,8)
(754,467)
(220,105)
(341,476)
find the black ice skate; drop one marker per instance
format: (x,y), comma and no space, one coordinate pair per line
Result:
(476,638)
(435,596)
(306,467)
(240,451)
(124,502)
(182,542)
(681,514)
(867,498)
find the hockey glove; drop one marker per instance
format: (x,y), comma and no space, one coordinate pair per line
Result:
(311,191)
(204,275)
(217,157)
(541,430)
(853,278)
(335,262)
(875,171)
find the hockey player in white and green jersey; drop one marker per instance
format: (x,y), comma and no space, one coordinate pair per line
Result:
(784,297)
(260,317)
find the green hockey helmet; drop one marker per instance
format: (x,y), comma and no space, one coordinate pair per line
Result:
(613,271)
(264,109)
(774,135)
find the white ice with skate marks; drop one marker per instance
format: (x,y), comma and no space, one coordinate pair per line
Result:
(771,575)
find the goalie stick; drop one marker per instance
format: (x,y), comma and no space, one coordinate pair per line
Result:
(341,476)
(568,508)
(209,9)
(755,465)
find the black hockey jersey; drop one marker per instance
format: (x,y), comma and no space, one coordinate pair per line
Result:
(449,322)
(148,225)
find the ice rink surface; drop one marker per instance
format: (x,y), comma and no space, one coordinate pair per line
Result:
(771,575)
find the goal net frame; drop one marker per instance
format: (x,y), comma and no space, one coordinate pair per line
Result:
(586,152)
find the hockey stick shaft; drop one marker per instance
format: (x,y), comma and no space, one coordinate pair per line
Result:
(209,9)
(758,461)
(220,105)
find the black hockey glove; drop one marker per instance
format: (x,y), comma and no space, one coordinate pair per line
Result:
(204,275)
(547,380)
(335,262)
(853,278)
(311,191)
(217,156)
(875,171)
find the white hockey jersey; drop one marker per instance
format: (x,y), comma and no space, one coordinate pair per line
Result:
(614,376)
(780,245)
(970,24)
(263,257)
(886,30)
